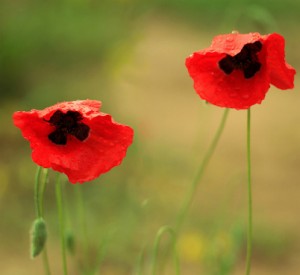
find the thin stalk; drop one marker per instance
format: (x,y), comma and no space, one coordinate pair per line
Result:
(60,208)
(249,233)
(37,203)
(43,188)
(39,189)
(46,261)
(139,264)
(160,233)
(82,216)
(83,225)
(190,195)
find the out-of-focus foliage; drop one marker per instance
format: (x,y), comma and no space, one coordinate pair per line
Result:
(214,11)
(39,38)
(67,50)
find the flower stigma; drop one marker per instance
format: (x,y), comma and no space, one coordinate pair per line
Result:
(67,123)
(246,60)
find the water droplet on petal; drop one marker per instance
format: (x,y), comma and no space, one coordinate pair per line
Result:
(229,39)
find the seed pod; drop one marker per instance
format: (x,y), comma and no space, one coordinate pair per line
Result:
(38,237)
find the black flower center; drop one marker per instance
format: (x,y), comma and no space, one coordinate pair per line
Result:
(246,60)
(67,123)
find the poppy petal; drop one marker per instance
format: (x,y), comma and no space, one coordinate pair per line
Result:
(85,107)
(33,128)
(81,131)
(281,73)
(104,149)
(58,137)
(84,155)
(233,43)
(237,69)
(218,88)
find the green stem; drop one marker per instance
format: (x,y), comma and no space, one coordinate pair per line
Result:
(82,216)
(37,203)
(139,266)
(39,190)
(46,261)
(249,233)
(83,225)
(59,201)
(43,188)
(158,237)
(190,195)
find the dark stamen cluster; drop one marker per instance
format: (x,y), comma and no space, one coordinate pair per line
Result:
(246,60)
(67,123)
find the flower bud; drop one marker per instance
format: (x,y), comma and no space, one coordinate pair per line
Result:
(38,237)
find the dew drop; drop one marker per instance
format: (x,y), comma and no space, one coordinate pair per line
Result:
(229,39)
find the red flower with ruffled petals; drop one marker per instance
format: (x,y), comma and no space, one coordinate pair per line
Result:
(237,69)
(75,138)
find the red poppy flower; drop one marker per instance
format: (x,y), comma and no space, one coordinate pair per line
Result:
(75,138)
(237,69)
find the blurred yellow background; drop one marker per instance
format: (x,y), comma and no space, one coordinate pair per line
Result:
(130,55)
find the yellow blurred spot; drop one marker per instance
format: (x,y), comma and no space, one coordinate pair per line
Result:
(191,247)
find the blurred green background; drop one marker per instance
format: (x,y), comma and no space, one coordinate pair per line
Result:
(130,55)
